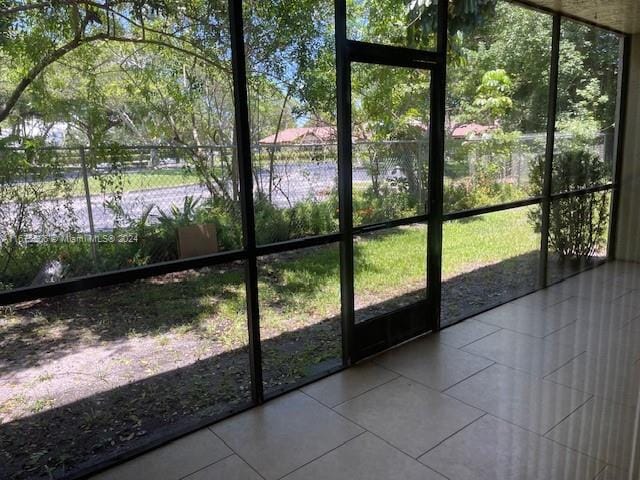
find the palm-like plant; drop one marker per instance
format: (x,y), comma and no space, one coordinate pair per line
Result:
(177,217)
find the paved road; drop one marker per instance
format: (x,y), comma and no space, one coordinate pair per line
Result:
(294,183)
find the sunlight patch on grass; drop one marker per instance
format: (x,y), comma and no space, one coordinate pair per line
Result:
(486,240)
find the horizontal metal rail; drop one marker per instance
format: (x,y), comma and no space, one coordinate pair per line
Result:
(399,222)
(491,209)
(364,52)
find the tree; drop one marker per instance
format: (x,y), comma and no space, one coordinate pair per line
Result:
(493,97)
(286,43)
(149,73)
(35,201)
(42,33)
(587,80)
(415,25)
(517,41)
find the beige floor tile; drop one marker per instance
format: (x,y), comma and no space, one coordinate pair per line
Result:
(635,322)
(231,468)
(517,397)
(348,384)
(365,458)
(465,333)
(625,277)
(492,449)
(173,461)
(408,415)
(613,473)
(616,313)
(629,280)
(592,288)
(600,338)
(617,267)
(542,299)
(631,299)
(614,377)
(285,433)
(600,429)
(602,274)
(545,334)
(533,355)
(532,321)
(432,363)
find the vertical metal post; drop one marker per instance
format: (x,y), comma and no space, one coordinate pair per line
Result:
(621,119)
(436,170)
(87,196)
(548,158)
(345,151)
(243,148)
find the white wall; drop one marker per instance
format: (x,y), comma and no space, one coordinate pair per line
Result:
(628,240)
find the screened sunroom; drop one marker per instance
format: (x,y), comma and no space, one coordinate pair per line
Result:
(359,239)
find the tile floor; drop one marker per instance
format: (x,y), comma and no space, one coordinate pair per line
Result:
(543,388)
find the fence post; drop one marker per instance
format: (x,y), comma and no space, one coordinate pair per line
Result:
(87,194)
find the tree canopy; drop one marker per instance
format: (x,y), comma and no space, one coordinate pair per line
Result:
(153,72)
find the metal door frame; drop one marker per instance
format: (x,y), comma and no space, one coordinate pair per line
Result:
(384,331)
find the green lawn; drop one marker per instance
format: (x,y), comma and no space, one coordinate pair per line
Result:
(131,182)
(307,286)
(395,263)
(302,287)
(389,264)
(148,180)
(486,240)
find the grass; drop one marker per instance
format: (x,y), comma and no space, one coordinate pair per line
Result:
(149,180)
(301,287)
(131,182)
(304,289)
(295,289)
(486,240)
(387,264)
(392,263)
(42,404)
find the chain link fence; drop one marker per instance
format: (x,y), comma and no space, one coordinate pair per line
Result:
(67,212)
(295,191)
(73,211)
(390,180)
(509,158)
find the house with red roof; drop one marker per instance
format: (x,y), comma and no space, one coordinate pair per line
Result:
(302,135)
(329,134)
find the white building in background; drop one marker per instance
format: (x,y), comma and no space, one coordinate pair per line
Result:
(54,134)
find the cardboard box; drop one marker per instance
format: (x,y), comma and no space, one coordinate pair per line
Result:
(197,240)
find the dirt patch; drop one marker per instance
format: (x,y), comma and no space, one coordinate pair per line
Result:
(90,375)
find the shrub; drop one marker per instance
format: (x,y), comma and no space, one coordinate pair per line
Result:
(462,196)
(309,217)
(226,217)
(312,218)
(573,169)
(271,223)
(27,260)
(577,224)
(387,203)
(480,191)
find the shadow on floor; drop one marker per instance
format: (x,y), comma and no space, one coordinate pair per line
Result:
(63,440)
